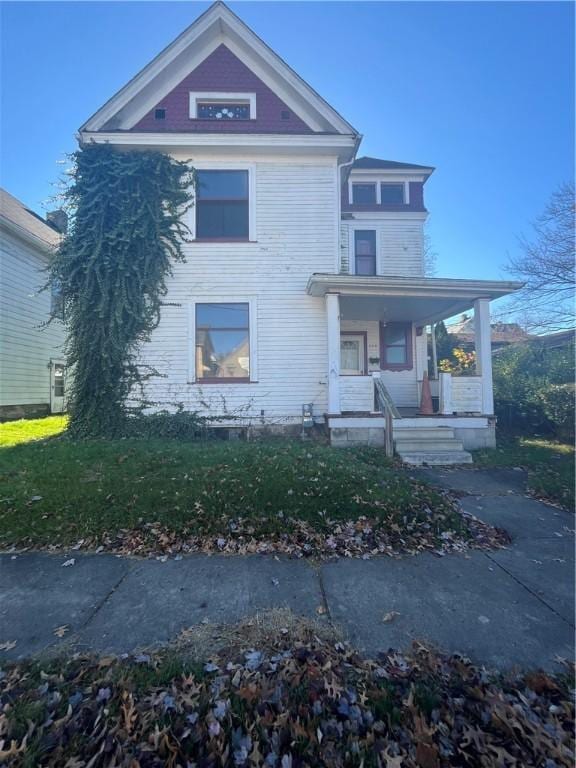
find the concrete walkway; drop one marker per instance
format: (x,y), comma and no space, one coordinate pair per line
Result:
(504,608)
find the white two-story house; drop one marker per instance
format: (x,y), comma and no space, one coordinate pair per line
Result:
(304,287)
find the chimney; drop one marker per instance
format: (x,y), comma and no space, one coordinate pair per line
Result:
(58,220)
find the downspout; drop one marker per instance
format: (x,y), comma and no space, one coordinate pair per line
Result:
(339,200)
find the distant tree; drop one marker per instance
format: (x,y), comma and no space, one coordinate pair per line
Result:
(445,342)
(546,265)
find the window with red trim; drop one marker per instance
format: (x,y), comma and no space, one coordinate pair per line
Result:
(396,346)
(222,342)
(222,205)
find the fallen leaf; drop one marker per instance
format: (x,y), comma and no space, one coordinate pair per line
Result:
(8,645)
(61,631)
(390,616)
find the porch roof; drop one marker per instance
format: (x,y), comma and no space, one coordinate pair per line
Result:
(421,300)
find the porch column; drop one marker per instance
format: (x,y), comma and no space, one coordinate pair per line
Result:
(483,345)
(333,325)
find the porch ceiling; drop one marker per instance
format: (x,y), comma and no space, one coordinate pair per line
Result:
(419,300)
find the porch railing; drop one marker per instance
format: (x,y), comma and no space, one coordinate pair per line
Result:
(460,394)
(385,404)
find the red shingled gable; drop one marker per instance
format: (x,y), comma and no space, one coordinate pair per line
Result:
(222,71)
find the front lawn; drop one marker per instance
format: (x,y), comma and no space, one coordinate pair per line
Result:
(295,699)
(550,465)
(142,496)
(27,430)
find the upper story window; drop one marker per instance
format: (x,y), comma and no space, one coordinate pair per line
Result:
(364,194)
(223,107)
(223,342)
(222,205)
(391,193)
(396,346)
(365,251)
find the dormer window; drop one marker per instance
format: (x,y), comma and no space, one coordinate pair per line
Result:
(223,107)
(391,193)
(364,194)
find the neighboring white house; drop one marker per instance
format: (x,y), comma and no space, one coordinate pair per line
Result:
(304,284)
(31,357)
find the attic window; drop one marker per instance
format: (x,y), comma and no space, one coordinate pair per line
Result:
(159,114)
(221,111)
(223,107)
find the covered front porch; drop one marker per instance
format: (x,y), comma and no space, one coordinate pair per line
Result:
(378,356)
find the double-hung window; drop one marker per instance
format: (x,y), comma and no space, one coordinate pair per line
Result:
(222,342)
(391,193)
(365,251)
(222,205)
(396,346)
(364,194)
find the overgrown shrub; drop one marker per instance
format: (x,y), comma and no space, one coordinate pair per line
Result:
(179,424)
(558,406)
(532,389)
(126,233)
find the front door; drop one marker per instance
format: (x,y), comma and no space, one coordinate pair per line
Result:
(352,354)
(57,386)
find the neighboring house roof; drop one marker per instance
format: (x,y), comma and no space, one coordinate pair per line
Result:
(375,163)
(503,333)
(20,220)
(557,339)
(216,26)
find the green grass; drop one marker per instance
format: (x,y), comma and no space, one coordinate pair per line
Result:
(550,465)
(59,491)
(27,430)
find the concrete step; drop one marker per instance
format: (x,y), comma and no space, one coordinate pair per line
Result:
(423,432)
(427,445)
(435,458)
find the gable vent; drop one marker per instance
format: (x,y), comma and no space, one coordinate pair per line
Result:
(159,114)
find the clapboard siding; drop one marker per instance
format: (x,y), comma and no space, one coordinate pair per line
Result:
(402,385)
(295,236)
(400,244)
(26,348)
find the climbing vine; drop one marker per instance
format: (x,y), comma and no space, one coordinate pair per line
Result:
(126,233)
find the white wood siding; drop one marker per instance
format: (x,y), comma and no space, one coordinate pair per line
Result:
(296,235)
(25,348)
(400,244)
(356,393)
(402,385)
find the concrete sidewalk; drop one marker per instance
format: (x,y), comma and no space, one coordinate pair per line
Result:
(503,608)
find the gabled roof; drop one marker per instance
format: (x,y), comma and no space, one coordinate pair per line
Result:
(216,26)
(374,163)
(21,220)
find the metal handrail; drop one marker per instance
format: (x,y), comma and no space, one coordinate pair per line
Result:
(385,404)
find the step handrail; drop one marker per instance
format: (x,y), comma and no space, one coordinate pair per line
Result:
(385,404)
(383,399)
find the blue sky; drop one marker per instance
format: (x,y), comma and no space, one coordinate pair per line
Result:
(481,90)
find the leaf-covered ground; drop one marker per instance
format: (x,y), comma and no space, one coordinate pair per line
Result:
(550,466)
(169,496)
(292,700)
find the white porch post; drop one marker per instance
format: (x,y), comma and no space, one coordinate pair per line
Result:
(483,344)
(333,325)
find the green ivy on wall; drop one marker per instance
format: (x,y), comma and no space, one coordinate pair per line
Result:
(126,232)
